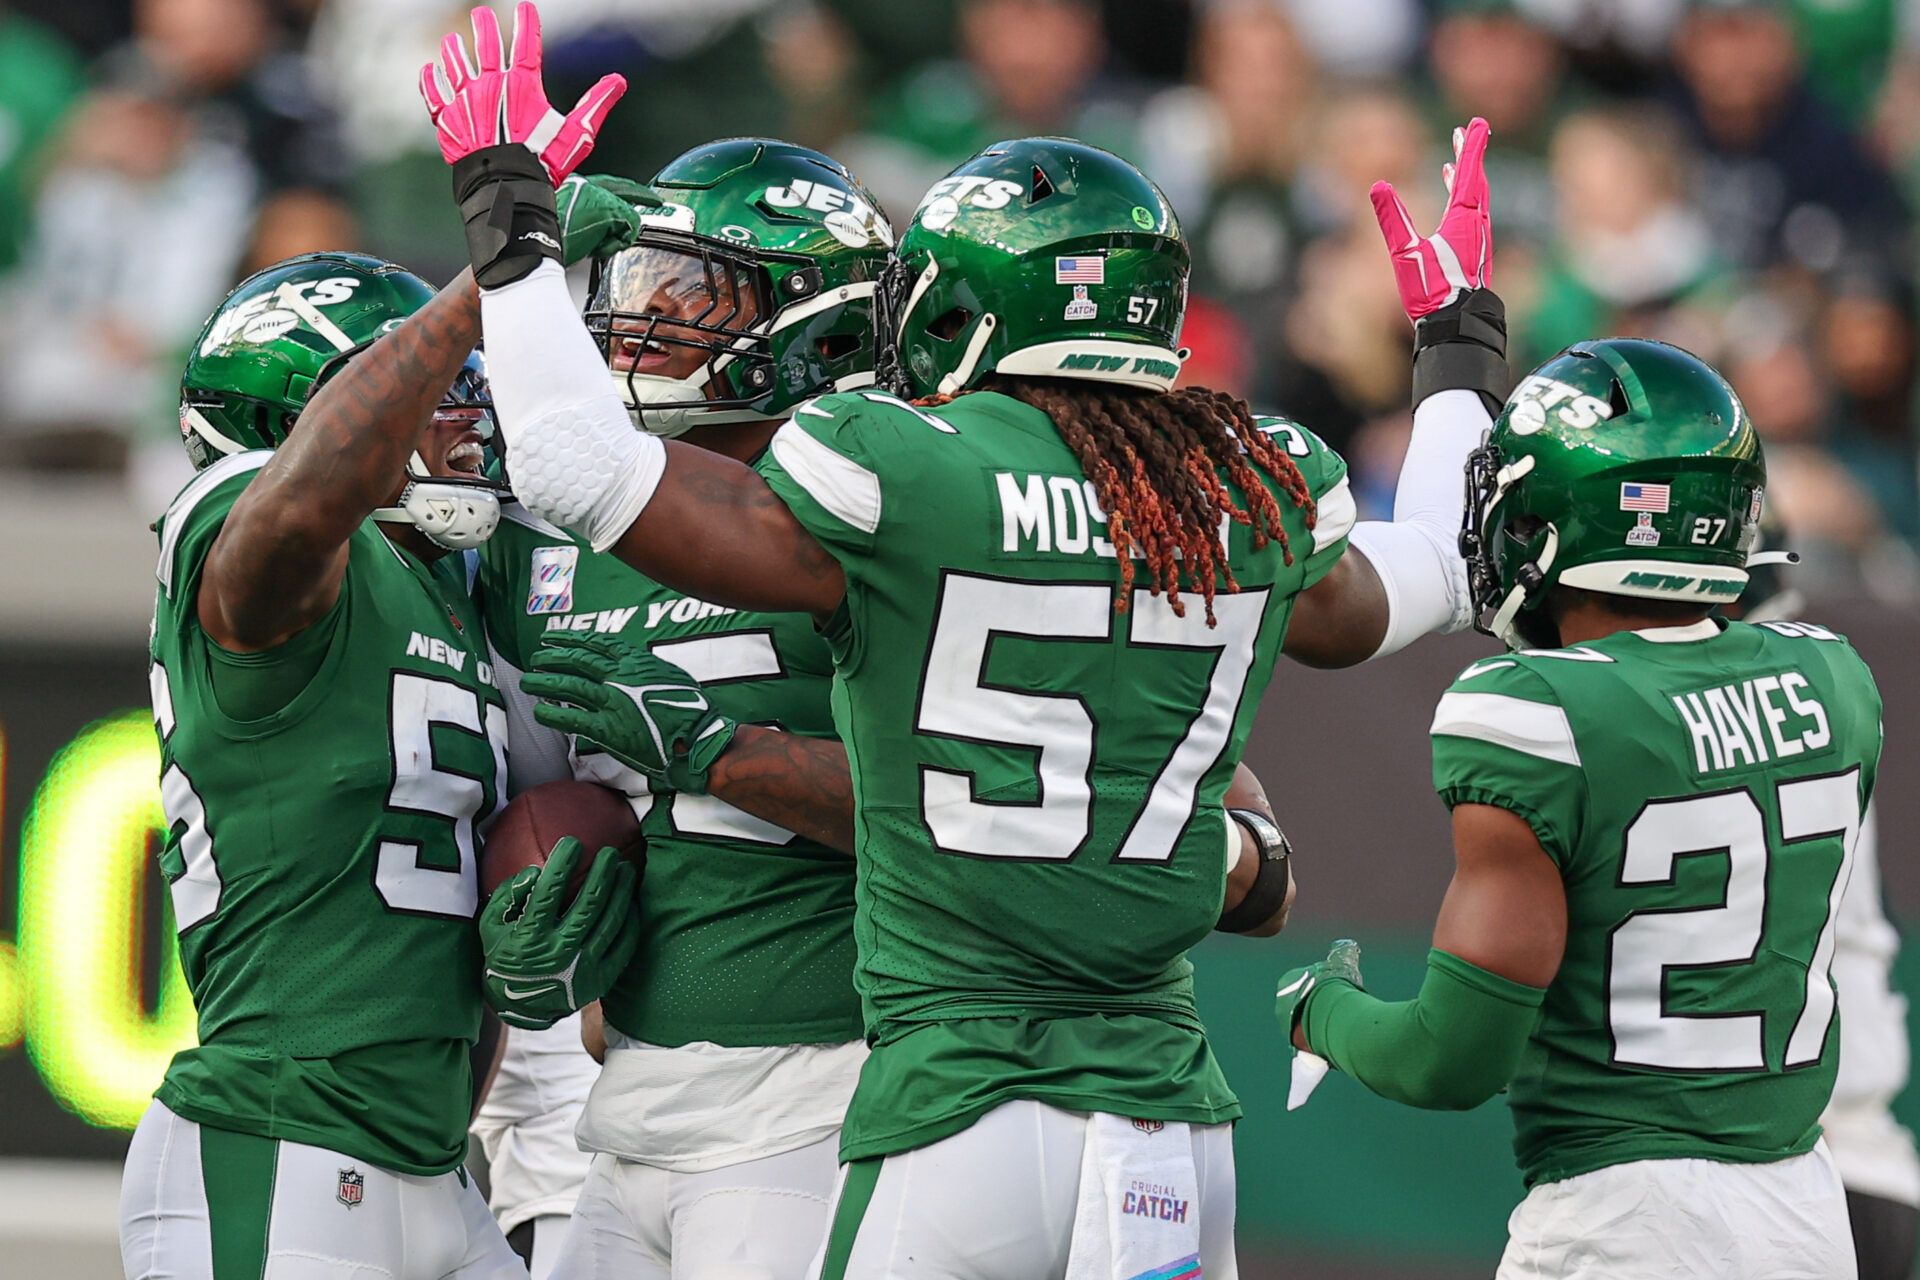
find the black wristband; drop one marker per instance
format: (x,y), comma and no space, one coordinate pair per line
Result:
(506,202)
(1463,347)
(1269,891)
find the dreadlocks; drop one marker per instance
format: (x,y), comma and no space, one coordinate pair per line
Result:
(1155,460)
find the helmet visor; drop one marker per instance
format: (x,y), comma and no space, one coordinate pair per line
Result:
(668,310)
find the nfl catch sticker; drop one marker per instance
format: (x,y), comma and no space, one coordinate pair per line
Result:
(550,584)
(1643,534)
(1082,307)
(353,1187)
(1645,497)
(1088,270)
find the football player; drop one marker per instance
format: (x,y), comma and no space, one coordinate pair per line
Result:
(1040,729)
(715,338)
(733,1036)
(331,735)
(1655,816)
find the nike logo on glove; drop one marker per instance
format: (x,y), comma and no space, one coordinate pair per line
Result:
(513,994)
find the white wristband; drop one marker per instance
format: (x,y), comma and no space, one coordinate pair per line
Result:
(573,454)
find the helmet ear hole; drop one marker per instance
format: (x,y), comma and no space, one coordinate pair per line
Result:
(949,324)
(838,346)
(1617,399)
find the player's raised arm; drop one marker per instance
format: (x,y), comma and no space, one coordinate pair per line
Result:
(577,461)
(278,561)
(1409,577)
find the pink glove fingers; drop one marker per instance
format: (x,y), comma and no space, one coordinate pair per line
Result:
(527,54)
(486,42)
(487,100)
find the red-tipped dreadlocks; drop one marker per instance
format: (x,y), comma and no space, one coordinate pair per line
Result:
(1155,460)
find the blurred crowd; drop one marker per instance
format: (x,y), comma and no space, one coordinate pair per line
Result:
(1737,176)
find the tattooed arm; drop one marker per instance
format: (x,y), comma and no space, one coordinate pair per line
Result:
(799,784)
(278,562)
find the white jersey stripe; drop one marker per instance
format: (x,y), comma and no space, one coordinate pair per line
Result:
(835,481)
(1535,728)
(1337,512)
(199,487)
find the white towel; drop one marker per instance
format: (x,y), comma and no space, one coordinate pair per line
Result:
(1309,1069)
(1138,1215)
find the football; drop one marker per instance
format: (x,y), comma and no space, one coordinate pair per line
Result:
(536,819)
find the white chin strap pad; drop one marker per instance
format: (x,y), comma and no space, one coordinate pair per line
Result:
(454,516)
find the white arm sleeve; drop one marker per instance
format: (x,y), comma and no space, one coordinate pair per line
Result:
(574,455)
(1417,554)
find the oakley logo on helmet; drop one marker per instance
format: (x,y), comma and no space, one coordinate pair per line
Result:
(1535,397)
(265,318)
(944,200)
(853,221)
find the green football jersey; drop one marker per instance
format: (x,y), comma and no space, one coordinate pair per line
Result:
(320,855)
(747,929)
(1701,789)
(1039,773)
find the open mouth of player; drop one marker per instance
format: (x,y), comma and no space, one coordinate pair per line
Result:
(642,354)
(467,456)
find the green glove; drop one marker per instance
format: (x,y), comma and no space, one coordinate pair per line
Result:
(1341,965)
(640,709)
(598,217)
(544,962)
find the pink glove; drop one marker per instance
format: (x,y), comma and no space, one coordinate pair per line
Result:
(1432,272)
(496,102)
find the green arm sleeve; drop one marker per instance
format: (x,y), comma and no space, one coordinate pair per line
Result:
(1450,1048)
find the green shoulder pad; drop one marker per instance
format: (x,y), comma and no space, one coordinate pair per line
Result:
(1502,738)
(1325,472)
(831,463)
(194,520)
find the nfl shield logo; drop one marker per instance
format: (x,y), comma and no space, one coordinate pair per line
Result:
(1149,1126)
(353,1187)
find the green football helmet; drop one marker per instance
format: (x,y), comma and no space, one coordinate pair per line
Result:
(1620,466)
(282,333)
(749,292)
(1044,257)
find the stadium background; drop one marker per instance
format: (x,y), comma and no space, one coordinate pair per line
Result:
(1735,175)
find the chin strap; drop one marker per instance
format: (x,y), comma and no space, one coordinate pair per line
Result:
(1530,579)
(956,382)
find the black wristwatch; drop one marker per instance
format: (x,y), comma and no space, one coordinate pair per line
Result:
(1269,889)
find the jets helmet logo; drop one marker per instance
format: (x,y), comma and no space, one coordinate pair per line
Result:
(853,221)
(1537,397)
(949,195)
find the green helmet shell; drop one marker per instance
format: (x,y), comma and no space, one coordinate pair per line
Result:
(1620,466)
(791,246)
(1042,257)
(269,344)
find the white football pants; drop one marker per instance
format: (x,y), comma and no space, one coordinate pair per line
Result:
(1685,1220)
(996,1201)
(757,1220)
(208,1204)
